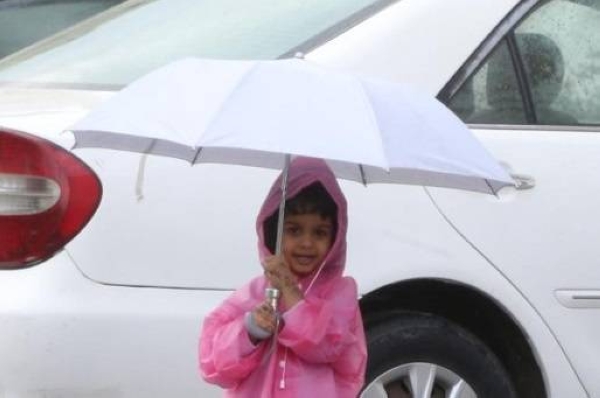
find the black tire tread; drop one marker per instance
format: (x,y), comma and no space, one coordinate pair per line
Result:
(421,337)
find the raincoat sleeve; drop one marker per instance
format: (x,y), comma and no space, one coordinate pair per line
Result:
(226,354)
(328,329)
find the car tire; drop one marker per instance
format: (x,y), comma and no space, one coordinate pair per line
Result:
(424,355)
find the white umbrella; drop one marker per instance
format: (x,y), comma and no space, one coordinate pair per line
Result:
(258,113)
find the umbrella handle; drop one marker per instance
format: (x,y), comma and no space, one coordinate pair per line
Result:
(272,295)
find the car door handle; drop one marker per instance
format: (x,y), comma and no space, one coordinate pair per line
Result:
(523,181)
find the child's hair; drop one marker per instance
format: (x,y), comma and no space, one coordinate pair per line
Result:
(313,199)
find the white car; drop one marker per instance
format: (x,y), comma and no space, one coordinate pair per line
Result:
(111,259)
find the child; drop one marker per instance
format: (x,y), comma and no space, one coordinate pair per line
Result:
(320,348)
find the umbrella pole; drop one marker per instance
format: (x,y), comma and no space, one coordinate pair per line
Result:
(273,294)
(284,178)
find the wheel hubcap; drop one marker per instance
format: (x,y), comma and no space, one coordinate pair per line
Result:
(419,380)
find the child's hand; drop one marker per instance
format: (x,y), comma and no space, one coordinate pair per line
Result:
(281,277)
(278,273)
(265,317)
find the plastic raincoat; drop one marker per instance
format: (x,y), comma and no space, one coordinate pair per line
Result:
(320,350)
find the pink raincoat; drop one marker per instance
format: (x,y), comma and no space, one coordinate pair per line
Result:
(320,350)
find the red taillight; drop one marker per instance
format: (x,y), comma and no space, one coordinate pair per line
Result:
(47,195)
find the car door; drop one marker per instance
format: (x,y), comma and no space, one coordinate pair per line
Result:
(535,103)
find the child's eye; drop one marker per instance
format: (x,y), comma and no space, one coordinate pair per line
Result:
(323,233)
(291,230)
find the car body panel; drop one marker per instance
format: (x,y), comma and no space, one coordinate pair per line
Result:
(66,336)
(557,243)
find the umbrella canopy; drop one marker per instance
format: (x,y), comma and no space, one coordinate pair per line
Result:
(257,112)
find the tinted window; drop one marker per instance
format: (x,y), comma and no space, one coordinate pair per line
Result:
(491,95)
(556,51)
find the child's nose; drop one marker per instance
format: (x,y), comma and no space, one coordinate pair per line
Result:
(307,240)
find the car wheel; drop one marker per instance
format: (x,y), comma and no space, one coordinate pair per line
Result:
(418,355)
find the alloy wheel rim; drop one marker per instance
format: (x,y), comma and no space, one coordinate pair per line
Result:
(419,380)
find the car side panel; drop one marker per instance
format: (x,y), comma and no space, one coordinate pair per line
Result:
(557,255)
(66,336)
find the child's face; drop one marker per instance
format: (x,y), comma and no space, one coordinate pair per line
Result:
(306,241)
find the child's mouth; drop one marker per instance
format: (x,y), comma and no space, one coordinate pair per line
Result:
(304,260)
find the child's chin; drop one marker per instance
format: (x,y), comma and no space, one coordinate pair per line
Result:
(304,271)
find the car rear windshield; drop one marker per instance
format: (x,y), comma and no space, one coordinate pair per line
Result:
(132,38)
(22,23)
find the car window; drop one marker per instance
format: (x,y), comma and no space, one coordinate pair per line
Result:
(492,94)
(556,53)
(24,22)
(139,36)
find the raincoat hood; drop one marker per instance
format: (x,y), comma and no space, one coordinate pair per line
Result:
(302,173)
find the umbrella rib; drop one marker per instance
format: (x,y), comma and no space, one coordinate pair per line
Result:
(362,174)
(197,154)
(490,187)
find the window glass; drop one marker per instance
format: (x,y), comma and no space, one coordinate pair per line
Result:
(147,34)
(492,94)
(560,46)
(24,22)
